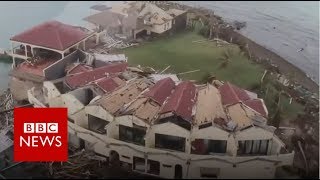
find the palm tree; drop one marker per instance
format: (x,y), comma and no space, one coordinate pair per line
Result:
(277,117)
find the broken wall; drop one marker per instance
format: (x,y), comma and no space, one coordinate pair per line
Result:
(84,95)
(19,88)
(71,102)
(80,118)
(159,28)
(57,70)
(51,90)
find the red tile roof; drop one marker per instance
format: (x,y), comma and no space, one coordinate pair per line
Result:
(51,34)
(108,84)
(181,101)
(80,79)
(231,94)
(161,90)
(79,68)
(257,105)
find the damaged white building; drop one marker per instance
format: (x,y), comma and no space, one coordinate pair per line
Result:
(168,129)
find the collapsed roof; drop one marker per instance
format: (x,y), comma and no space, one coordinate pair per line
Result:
(115,101)
(149,104)
(83,78)
(181,101)
(154,15)
(232,94)
(225,105)
(125,92)
(161,90)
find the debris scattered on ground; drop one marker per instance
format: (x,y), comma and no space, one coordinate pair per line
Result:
(109,43)
(6,117)
(79,165)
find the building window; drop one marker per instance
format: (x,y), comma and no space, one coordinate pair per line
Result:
(138,164)
(206,146)
(170,142)
(165,26)
(178,171)
(253,147)
(153,167)
(176,120)
(133,135)
(166,165)
(97,124)
(209,172)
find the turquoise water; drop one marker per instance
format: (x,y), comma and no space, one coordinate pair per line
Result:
(296,25)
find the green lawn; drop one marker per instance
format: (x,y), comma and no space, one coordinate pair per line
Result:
(183,55)
(289,111)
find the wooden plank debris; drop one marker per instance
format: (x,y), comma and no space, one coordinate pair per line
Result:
(287,128)
(188,72)
(165,69)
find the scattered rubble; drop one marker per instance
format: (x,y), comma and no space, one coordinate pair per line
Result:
(6,117)
(109,43)
(81,164)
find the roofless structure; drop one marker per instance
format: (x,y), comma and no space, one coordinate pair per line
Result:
(42,52)
(52,36)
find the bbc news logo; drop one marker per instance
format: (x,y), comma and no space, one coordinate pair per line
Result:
(40,134)
(36,141)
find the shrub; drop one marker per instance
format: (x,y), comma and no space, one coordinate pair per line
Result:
(204,31)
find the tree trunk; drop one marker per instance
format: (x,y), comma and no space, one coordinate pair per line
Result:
(210,36)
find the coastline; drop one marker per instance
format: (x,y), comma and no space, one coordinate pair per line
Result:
(261,52)
(285,67)
(257,51)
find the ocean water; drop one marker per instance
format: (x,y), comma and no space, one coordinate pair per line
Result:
(283,27)
(296,25)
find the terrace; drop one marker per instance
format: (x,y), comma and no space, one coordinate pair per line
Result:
(37,48)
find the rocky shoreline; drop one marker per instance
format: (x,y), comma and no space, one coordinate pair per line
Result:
(284,66)
(258,53)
